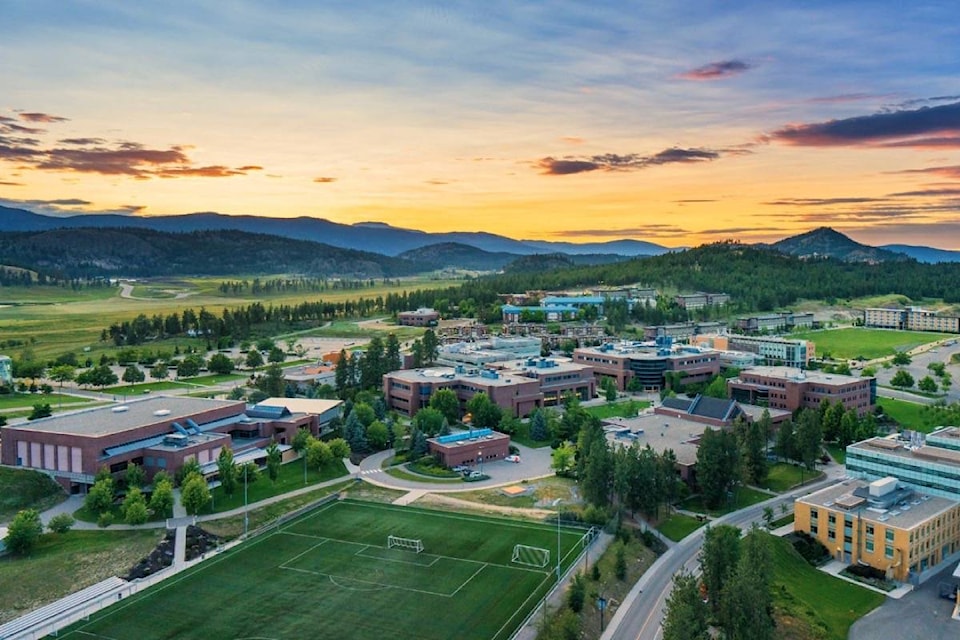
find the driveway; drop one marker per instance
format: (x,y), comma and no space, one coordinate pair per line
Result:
(920,615)
(535,463)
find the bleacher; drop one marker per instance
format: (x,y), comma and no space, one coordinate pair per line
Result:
(51,612)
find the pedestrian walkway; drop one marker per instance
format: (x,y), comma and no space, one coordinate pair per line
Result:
(834,567)
(368,472)
(410,497)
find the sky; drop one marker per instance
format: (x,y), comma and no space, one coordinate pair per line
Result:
(673,122)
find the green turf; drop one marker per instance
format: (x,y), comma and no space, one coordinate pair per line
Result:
(850,343)
(147,387)
(825,603)
(678,526)
(403,474)
(838,453)
(910,415)
(15,400)
(25,489)
(330,575)
(628,409)
(782,477)
(290,478)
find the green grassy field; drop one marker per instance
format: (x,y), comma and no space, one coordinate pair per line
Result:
(824,605)
(743,497)
(783,476)
(331,575)
(838,453)
(910,415)
(25,489)
(20,400)
(678,526)
(856,343)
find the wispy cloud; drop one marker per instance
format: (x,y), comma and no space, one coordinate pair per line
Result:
(324,180)
(717,70)
(926,193)
(644,231)
(68,207)
(623,162)
(919,128)
(818,202)
(33,116)
(950,171)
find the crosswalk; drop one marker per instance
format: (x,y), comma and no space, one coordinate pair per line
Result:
(367,472)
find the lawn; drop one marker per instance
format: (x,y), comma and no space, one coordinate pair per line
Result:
(678,526)
(628,409)
(783,477)
(544,491)
(857,343)
(910,415)
(403,474)
(330,574)
(27,400)
(147,387)
(822,604)
(64,563)
(838,453)
(289,478)
(25,489)
(743,497)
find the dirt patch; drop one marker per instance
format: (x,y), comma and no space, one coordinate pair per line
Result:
(456,504)
(198,543)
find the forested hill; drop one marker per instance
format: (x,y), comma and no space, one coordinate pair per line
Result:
(758,279)
(86,252)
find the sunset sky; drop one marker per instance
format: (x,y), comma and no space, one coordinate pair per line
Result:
(673,122)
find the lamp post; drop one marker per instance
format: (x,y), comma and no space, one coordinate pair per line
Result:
(556,503)
(304,454)
(480,459)
(601,604)
(246,514)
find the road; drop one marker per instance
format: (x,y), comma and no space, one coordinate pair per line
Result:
(644,607)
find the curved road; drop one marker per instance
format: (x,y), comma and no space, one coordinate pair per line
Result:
(643,609)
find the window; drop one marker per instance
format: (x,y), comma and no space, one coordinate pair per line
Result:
(869,546)
(888,551)
(889,535)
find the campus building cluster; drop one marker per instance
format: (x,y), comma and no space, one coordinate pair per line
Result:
(774,322)
(158,433)
(699,300)
(911,319)
(422,317)
(766,350)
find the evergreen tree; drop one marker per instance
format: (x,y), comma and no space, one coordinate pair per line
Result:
(685,617)
(538,426)
(747,603)
(717,466)
(718,561)
(392,360)
(786,441)
(809,438)
(354,433)
(431,347)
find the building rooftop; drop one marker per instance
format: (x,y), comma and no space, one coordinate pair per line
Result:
(482,376)
(660,432)
(422,311)
(800,375)
(471,437)
(911,509)
(103,421)
(910,450)
(316,407)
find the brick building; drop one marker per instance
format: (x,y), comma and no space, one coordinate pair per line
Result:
(422,317)
(647,365)
(792,389)
(470,447)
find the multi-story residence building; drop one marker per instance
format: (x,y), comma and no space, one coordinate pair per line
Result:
(681,330)
(884,524)
(628,361)
(930,464)
(775,322)
(422,317)
(516,387)
(790,389)
(691,301)
(912,319)
(774,351)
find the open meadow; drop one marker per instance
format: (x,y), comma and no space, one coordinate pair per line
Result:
(860,343)
(53,320)
(331,574)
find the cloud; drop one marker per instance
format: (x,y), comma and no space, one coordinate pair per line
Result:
(845,97)
(575,140)
(921,128)
(69,207)
(9,127)
(646,231)
(4,183)
(41,117)
(214,171)
(693,201)
(82,141)
(819,202)
(951,171)
(250,167)
(324,180)
(622,162)
(717,70)
(926,192)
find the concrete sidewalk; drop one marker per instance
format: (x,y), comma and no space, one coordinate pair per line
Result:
(834,567)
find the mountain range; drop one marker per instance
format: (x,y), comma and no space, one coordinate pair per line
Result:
(471,250)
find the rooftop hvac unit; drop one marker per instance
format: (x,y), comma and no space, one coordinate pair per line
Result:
(120,409)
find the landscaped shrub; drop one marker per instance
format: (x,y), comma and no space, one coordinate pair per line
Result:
(868,572)
(810,548)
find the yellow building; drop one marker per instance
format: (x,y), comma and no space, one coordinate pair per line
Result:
(883,524)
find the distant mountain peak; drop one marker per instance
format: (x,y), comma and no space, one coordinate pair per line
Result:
(826,242)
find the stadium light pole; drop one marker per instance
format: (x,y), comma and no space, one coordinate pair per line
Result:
(246,514)
(556,503)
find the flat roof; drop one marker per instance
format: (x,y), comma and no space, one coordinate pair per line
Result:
(660,432)
(800,375)
(315,407)
(439,374)
(901,449)
(915,512)
(102,421)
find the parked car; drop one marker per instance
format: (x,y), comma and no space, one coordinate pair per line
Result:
(475,475)
(512,458)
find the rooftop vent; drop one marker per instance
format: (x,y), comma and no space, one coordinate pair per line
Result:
(121,409)
(161,412)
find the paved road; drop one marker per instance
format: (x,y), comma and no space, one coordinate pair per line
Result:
(644,607)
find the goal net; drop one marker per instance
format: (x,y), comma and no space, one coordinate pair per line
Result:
(411,544)
(530,556)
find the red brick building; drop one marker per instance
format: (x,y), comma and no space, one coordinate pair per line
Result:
(470,447)
(792,389)
(623,363)
(422,317)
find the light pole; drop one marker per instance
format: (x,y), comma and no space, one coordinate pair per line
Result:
(601,604)
(480,458)
(304,454)
(556,503)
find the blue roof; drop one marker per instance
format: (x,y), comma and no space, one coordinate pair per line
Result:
(464,435)
(572,300)
(509,308)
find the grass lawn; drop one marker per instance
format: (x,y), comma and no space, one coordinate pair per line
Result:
(403,474)
(856,342)
(910,415)
(64,563)
(25,489)
(214,379)
(545,490)
(335,564)
(628,409)
(27,400)
(147,387)
(808,599)
(743,497)
(289,478)
(678,526)
(783,477)
(838,453)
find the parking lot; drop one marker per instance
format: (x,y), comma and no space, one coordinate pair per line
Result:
(920,615)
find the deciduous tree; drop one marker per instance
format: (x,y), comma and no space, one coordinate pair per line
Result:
(24,532)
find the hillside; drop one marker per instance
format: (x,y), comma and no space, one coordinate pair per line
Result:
(924,254)
(457,255)
(824,242)
(540,263)
(87,252)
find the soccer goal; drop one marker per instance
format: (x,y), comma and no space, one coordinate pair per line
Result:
(530,556)
(411,544)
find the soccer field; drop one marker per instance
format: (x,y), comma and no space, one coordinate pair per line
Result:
(330,574)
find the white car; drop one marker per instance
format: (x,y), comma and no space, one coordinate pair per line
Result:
(512,458)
